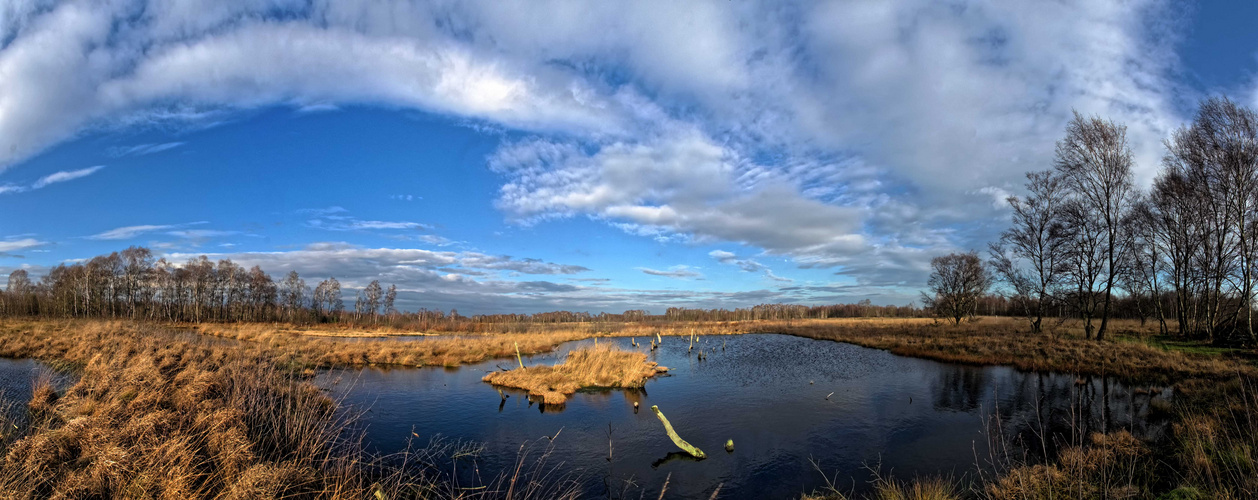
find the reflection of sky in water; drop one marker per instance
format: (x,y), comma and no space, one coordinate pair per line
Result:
(17,377)
(912,416)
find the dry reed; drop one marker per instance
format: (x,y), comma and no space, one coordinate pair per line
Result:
(590,367)
(161,414)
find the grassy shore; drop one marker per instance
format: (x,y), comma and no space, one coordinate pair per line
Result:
(1210,453)
(1137,356)
(605,366)
(158,413)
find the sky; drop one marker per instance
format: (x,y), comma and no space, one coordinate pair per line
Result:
(534,156)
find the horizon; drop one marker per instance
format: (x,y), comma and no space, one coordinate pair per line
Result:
(498,158)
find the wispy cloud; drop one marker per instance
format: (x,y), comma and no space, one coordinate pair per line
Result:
(15,245)
(65,175)
(730,258)
(681,272)
(53,178)
(768,273)
(337,218)
(747,265)
(142,149)
(129,232)
(201,233)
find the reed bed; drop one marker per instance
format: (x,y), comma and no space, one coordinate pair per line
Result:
(1005,341)
(162,414)
(604,367)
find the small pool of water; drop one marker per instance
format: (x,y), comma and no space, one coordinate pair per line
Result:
(17,380)
(787,402)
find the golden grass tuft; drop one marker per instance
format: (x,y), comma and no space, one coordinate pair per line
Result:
(603,366)
(885,489)
(1112,466)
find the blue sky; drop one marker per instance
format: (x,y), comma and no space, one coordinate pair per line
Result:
(529,156)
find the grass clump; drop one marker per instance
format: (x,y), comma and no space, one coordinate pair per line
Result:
(591,367)
(887,489)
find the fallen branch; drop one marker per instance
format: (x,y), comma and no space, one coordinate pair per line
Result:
(677,440)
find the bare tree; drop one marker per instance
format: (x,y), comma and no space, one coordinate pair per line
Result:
(327,297)
(1146,262)
(368,303)
(19,282)
(957,281)
(16,293)
(292,294)
(1096,163)
(389,298)
(1210,180)
(1031,255)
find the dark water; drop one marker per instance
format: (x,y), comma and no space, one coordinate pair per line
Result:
(787,402)
(17,378)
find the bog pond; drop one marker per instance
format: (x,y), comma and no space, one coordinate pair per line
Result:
(795,408)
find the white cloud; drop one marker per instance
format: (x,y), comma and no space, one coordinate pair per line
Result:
(53,178)
(681,272)
(142,149)
(65,175)
(17,245)
(198,234)
(768,273)
(129,232)
(730,258)
(682,184)
(338,219)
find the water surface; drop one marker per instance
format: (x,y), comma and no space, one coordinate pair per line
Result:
(787,402)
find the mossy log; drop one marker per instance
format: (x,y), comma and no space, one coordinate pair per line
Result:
(677,440)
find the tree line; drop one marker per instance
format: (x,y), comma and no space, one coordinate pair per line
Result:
(1085,237)
(134,284)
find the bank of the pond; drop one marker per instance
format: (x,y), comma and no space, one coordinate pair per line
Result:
(1005,341)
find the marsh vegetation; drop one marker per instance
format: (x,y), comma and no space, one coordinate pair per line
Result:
(593,367)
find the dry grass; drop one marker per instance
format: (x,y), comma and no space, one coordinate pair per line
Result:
(591,367)
(157,414)
(886,489)
(1005,341)
(1115,465)
(302,350)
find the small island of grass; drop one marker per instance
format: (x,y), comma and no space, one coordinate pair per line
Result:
(605,366)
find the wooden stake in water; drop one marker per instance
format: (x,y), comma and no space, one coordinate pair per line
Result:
(517,355)
(677,440)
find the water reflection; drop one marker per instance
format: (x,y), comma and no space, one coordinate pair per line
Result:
(783,400)
(17,379)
